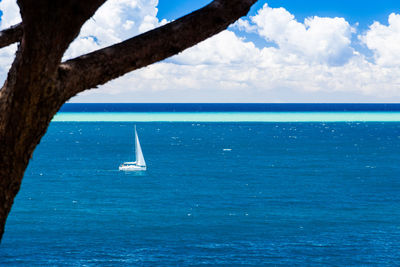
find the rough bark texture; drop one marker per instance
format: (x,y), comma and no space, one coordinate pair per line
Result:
(11,35)
(38,84)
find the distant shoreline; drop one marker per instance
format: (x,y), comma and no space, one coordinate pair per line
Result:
(230,107)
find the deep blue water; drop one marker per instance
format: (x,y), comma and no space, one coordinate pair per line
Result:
(226,107)
(289,194)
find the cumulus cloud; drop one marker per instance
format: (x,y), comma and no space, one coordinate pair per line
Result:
(244,25)
(384,41)
(321,40)
(224,48)
(10,15)
(314,61)
(115,21)
(311,61)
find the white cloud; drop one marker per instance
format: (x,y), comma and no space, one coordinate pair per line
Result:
(244,25)
(313,60)
(7,55)
(149,23)
(224,48)
(115,21)
(321,40)
(128,24)
(384,41)
(10,15)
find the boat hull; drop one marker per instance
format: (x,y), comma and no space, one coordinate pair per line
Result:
(132,168)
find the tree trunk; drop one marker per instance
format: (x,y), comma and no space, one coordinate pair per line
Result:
(38,84)
(30,96)
(24,119)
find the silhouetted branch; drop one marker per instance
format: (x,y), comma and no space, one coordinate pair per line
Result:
(101,66)
(11,35)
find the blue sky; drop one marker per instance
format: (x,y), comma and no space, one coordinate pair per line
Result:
(283,51)
(363,12)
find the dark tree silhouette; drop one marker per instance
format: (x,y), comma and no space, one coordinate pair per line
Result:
(38,83)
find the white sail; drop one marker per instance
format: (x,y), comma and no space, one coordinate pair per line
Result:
(139,154)
(139,164)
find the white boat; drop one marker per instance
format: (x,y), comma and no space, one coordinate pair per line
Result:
(139,164)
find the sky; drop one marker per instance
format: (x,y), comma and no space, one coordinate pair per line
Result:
(284,51)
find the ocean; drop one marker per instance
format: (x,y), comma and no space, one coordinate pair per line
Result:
(227,184)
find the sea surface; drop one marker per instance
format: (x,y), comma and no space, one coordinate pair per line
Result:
(217,191)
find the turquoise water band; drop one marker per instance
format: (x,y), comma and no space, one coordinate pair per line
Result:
(229,116)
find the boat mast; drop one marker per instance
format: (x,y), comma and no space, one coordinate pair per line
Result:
(138,151)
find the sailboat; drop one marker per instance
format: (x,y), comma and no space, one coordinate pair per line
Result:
(139,164)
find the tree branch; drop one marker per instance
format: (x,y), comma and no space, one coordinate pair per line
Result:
(11,35)
(101,66)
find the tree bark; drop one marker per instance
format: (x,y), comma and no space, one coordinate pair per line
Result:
(11,35)
(38,84)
